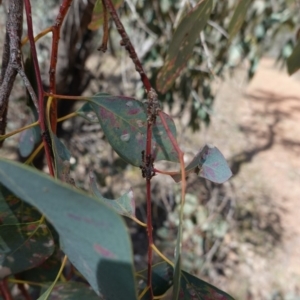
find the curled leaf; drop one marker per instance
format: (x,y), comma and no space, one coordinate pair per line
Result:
(210,164)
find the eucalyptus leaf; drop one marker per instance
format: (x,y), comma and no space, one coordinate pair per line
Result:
(92,235)
(182,44)
(238,17)
(124,122)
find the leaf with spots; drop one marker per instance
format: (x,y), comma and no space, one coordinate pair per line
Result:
(182,44)
(209,163)
(71,290)
(23,244)
(13,210)
(125,205)
(238,18)
(47,271)
(124,122)
(92,235)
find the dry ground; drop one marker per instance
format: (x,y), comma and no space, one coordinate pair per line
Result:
(258,126)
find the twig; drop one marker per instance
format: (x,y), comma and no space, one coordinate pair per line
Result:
(52,71)
(23,291)
(4,290)
(206,51)
(103,46)
(218,27)
(127,44)
(11,59)
(56,36)
(209,255)
(139,20)
(39,85)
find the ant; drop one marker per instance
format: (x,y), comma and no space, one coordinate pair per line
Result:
(147,166)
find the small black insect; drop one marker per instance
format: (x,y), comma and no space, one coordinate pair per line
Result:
(147,166)
(46,136)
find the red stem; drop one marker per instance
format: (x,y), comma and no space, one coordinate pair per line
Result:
(128,45)
(149,212)
(139,68)
(24,291)
(150,235)
(4,289)
(55,40)
(151,119)
(39,84)
(52,71)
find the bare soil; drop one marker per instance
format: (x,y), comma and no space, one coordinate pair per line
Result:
(257,126)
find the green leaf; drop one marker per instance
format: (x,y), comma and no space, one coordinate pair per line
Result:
(197,289)
(191,287)
(7,216)
(209,163)
(71,290)
(97,17)
(61,158)
(28,140)
(182,44)
(124,123)
(125,205)
(177,270)
(19,210)
(293,61)
(93,236)
(178,250)
(162,279)
(47,271)
(86,112)
(23,245)
(238,18)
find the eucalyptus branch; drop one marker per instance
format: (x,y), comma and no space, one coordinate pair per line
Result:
(39,84)
(56,36)
(11,59)
(52,71)
(127,44)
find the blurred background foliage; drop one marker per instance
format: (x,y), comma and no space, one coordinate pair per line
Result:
(268,26)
